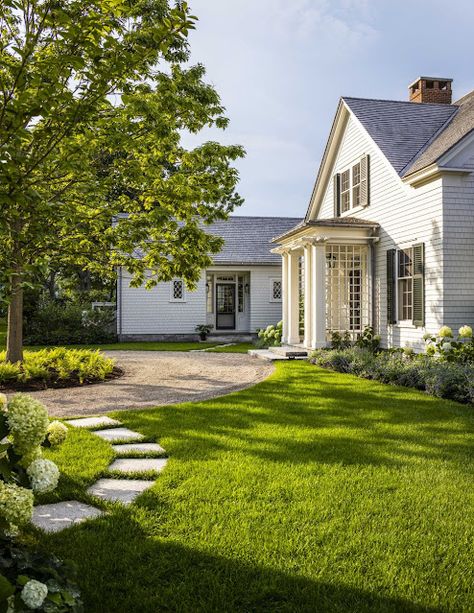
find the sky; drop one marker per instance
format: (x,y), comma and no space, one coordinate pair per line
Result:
(280,67)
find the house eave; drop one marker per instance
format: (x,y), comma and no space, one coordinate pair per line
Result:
(432,172)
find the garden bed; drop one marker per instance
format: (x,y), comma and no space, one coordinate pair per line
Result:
(56,368)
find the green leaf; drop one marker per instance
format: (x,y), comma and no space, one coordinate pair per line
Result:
(6,588)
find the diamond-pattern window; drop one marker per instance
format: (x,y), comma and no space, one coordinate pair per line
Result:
(177,290)
(276,290)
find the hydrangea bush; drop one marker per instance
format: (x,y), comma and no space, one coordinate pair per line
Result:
(24,431)
(446,347)
(270,336)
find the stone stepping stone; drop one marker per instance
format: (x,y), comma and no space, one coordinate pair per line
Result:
(138,465)
(119,434)
(138,448)
(119,490)
(93,422)
(60,515)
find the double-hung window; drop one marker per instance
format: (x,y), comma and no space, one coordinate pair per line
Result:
(351,187)
(405,284)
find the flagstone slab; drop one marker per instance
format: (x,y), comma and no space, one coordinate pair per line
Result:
(119,434)
(136,465)
(138,448)
(60,515)
(93,422)
(119,490)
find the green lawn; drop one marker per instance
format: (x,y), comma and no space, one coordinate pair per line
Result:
(313,491)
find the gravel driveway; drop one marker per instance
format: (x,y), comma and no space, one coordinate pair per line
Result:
(154,378)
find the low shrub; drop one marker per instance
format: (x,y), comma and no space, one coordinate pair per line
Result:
(437,377)
(270,336)
(28,580)
(59,323)
(367,340)
(446,347)
(56,366)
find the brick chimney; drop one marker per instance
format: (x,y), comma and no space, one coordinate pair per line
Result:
(431,89)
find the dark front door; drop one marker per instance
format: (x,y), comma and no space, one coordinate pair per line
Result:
(225,306)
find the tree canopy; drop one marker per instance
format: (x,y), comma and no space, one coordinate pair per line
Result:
(94,100)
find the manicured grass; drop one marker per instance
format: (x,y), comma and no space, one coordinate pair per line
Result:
(313,491)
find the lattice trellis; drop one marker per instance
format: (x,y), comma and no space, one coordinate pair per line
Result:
(347,295)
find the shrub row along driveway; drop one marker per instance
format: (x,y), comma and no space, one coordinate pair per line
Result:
(154,378)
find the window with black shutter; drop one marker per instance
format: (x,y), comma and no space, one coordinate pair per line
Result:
(391,286)
(351,187)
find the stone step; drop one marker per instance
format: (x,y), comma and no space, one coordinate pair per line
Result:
(119,490)
(290,351)
(138,448)
(138,465)
(93,422)
(60,515)
(119,434)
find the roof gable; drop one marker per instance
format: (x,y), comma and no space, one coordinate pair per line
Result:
(401,130)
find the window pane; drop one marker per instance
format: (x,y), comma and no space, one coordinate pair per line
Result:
(356,174)
(405,263)
(178,290)
(345,201)
(405,299)
(345,181)
(276,293)
(356,196)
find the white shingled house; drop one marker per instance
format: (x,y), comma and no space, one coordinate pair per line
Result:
(239,293)
(388,238)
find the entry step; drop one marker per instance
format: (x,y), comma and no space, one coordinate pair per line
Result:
(290,352)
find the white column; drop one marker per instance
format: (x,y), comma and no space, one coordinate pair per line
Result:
(284,296)
(293,299)
(318,287)
(308,306)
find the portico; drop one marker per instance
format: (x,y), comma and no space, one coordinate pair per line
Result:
(326,280)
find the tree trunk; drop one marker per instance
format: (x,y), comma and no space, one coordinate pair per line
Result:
(15,318)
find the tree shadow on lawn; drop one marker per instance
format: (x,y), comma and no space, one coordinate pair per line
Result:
(316,416)
(122,569)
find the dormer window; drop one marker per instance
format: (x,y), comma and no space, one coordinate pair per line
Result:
(351,187)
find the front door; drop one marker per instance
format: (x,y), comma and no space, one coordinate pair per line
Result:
(225,306)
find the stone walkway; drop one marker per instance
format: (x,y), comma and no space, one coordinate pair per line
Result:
(60,515)
(153,378)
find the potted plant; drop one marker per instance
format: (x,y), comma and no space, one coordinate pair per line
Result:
(203,330)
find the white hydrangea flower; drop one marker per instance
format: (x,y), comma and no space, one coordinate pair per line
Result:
(28,422)
(16,504)
(57,433)
(34,593)
(43,476)
(445,332)
(465,332)
(446,346)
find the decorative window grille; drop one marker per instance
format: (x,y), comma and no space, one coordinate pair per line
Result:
(177,290)
(276,290)
(405,284)
(347,295)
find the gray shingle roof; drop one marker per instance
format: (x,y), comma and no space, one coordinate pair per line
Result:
(461,124)
(347,222)
(248,239)
(401,129)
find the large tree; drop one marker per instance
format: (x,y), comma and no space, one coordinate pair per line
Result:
(94,99)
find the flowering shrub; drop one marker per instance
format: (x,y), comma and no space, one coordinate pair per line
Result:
(367,340)
(35,580)
(437,377)
(445,347)
(270,336)
(24,430)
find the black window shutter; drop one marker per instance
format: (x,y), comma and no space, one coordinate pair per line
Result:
(337,194)
(365,180)
(419,284)
(391,285)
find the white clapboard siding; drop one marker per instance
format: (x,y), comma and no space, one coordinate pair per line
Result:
(150,312)
(458,196)
(406,216)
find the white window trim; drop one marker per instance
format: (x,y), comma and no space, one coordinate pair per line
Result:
(359,207)
(172,298)
(272,281)
(402,323)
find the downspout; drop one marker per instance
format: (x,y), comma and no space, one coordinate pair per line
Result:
(373,288)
